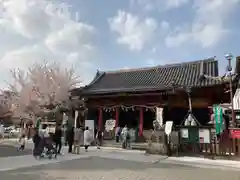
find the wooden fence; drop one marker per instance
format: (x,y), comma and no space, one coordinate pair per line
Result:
(223,145)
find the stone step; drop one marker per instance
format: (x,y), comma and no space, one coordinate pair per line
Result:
(134,146)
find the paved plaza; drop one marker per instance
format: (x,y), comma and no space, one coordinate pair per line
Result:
(10,151)
(105,164)
(98,168)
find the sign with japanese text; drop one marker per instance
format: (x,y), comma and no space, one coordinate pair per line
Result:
(218,117)
(168,127)
(204,136)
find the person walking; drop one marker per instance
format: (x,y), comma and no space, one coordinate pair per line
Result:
(22,142)
(118,134)
(36,140)
(87,138)
(70,137)
(1,132)
(126,137)
(58,138)
(99,138)
(77,140)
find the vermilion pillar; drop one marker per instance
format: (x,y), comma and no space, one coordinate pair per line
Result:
(140,133)
(117,117)
(100,116)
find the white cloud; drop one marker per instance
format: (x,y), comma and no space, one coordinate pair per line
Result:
(159,5)
(165,25)
(126,68)
(175,3)
(71,38)
(153,50)
(151,62)
(24,57)
(208,26)
(42,30)
(132,30)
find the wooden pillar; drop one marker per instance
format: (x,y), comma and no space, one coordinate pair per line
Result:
(140,133)
(100,116)
(210,111)
(117,116)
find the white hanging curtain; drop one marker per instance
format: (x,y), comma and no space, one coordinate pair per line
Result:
(75,119)
(159,115)
(236,100)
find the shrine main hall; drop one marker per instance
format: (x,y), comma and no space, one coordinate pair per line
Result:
(133,96)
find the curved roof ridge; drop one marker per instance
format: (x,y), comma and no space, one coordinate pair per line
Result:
(187,63)
(159,66)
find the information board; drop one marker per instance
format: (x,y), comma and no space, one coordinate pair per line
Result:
(168,127)
(204,136)
(184,133)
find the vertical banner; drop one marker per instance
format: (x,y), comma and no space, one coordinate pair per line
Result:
(159,117)
(100,118)
(75,118)
(218,117)
(140,133)
(236,100)
(38,123)
(65,118)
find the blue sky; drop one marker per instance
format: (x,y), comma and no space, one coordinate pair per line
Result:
(114,34)
(114,55)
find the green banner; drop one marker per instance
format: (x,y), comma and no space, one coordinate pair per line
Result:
(218,117)
(38,123)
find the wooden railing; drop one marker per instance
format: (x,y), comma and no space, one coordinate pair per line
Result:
(222,146)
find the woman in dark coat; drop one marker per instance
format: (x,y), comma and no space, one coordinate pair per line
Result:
(36,140)
(70,137)
(58,138)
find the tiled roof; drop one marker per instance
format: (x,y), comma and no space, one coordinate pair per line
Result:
(155,78)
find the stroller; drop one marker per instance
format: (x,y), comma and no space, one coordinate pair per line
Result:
(45,148)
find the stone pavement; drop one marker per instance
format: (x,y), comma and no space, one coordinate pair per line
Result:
(96,168)
(9,151)
(110,164)
(137,155)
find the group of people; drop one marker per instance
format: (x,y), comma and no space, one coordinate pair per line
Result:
(73,137)
(124,135)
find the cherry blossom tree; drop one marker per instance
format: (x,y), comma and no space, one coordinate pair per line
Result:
(5,110)
(40,89)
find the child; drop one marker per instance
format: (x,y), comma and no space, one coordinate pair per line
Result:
(22,142)
(87,138)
